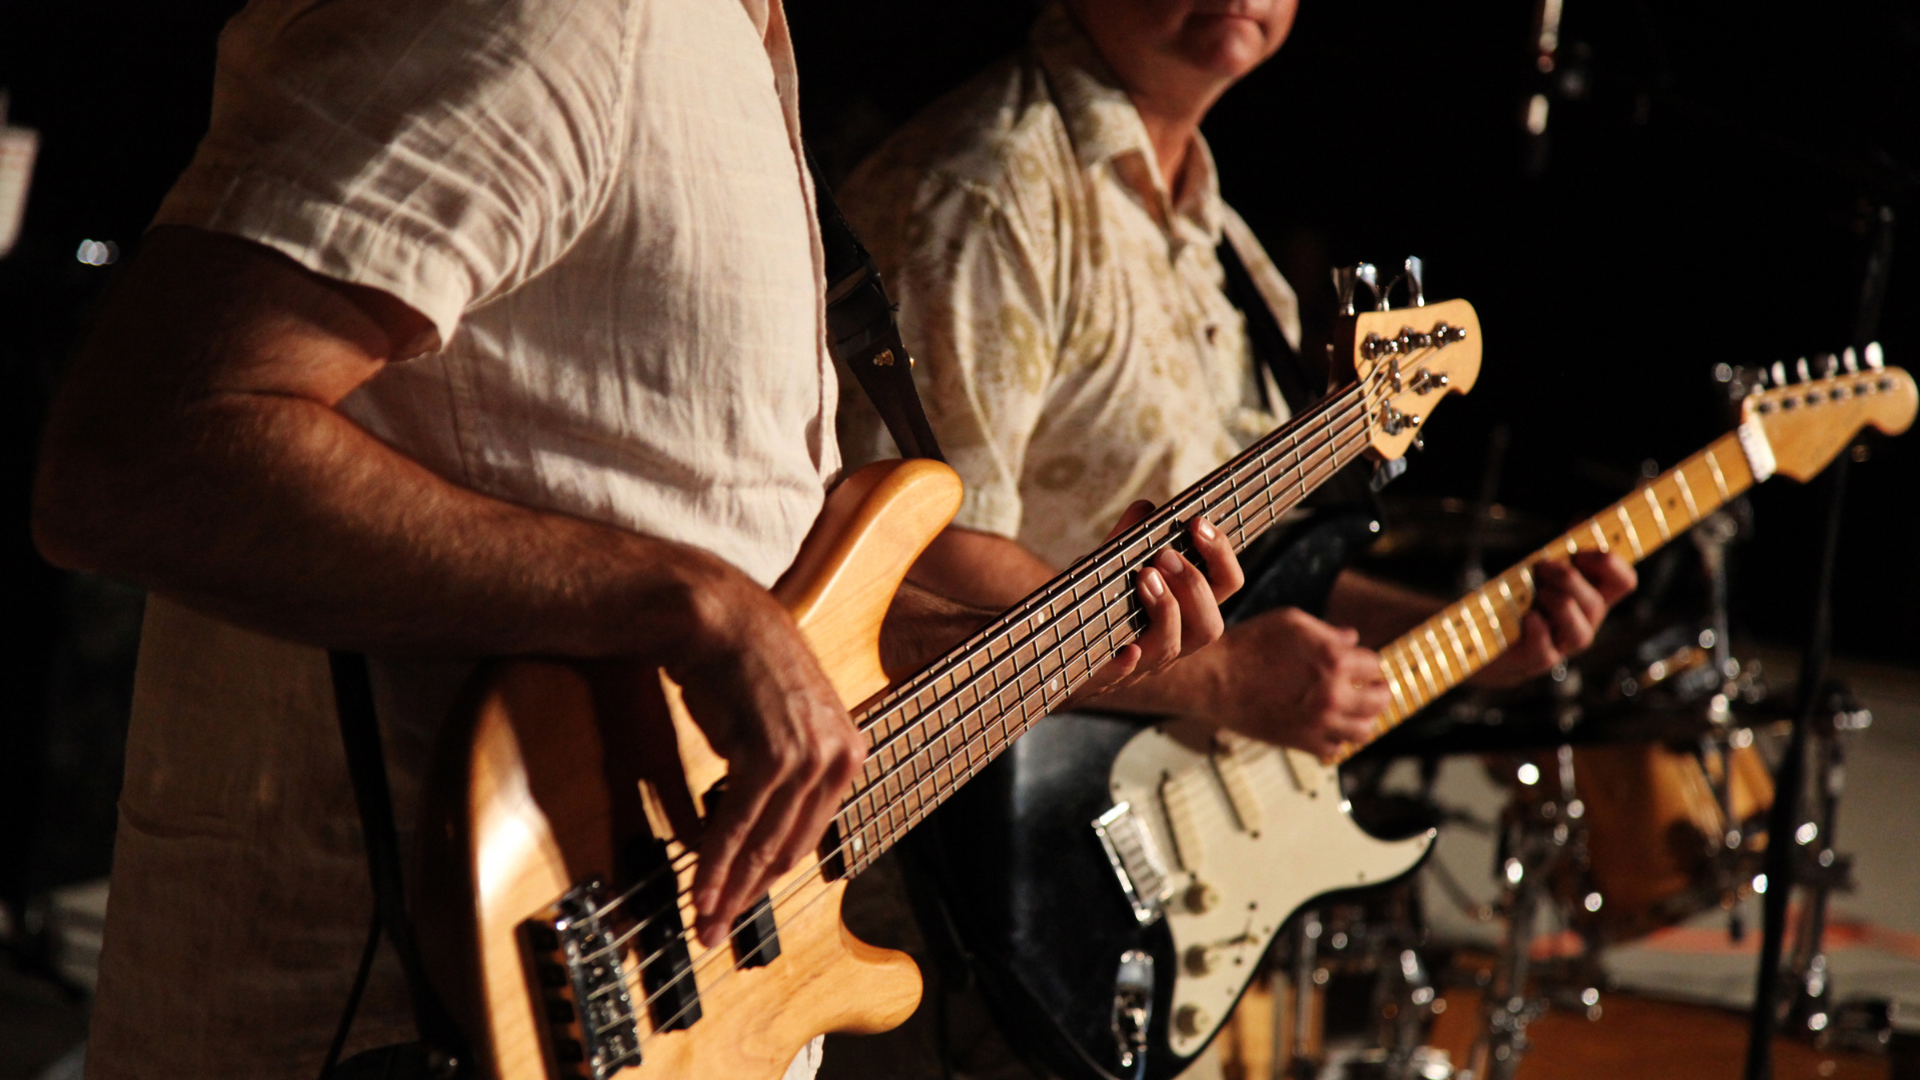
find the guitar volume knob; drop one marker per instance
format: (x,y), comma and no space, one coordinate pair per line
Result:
(1191,1020)
(1201,898)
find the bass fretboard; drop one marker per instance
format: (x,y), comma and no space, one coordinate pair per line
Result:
(932,733)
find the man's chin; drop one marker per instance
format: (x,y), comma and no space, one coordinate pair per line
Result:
(1228,46)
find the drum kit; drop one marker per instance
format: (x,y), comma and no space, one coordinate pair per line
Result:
(1637,791)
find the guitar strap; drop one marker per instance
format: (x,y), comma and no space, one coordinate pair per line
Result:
(1295,565)
(862,334)
(861,331)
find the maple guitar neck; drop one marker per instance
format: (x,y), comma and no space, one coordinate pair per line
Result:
(1793,429)
(1472,632)
(932,733)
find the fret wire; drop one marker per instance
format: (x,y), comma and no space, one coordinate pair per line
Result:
(1659,516)
(1719,478)
(1686,493)
(1626,523)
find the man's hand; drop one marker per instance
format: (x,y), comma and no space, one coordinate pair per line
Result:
(1286,677)
(991,573)
(763,702)
(1182,605)
(1570,600)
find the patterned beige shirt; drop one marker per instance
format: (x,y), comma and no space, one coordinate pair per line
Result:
(1074,346)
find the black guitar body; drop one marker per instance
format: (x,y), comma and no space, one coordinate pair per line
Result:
(1041,918)
(1024,882)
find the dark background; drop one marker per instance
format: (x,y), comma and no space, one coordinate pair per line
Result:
(1704,193)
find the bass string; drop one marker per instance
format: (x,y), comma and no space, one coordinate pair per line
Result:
(931,714)
(986,733)
(1232,475)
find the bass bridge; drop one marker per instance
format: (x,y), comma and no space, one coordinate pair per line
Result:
(580,986)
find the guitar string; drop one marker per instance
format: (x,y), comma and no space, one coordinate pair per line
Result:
(960,777)
(882,712)
(1318,461)
(879,715)
(1003,640)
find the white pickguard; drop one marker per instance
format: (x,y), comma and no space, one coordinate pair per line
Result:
(1261,831)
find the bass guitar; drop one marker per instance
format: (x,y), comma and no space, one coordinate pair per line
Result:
(563,813)
(1049,865)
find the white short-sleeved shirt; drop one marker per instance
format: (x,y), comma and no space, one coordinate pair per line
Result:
(602,207)
(1075,348)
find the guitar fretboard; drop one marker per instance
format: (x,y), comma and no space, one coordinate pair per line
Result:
(931,734)
(1470,633)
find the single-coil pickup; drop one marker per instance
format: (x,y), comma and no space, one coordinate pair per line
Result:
(1234,759)
(1180,797)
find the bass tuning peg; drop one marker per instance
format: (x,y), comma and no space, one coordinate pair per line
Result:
(1801,369)
(1826,365)
(1347,281)
(1415,273)
(1779,372)
(1849,360)
(1876,357)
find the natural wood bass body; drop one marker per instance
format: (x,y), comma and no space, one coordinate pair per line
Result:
(555,770)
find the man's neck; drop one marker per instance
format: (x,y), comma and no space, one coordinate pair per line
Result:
(1171,131)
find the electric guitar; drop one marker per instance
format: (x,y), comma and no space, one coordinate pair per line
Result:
(1101,867)
(563,812)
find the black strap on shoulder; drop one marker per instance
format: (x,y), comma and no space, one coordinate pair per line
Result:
(861,332)
(1271,349)
(1351,487)
(442,1050)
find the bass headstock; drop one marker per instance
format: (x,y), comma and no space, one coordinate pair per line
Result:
(1406,359)
(1809,420)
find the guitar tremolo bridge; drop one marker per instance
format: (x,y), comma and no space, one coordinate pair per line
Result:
(1136,861)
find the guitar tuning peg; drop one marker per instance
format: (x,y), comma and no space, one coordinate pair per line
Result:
(1415,273)
(1800,368)
(1826,365)
(1348,279)
(1849,360)
(1876,357)
(1779,373)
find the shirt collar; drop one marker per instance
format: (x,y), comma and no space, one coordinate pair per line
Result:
(1105,128)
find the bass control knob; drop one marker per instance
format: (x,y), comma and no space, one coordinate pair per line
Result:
(1191,1020)
(1201,898)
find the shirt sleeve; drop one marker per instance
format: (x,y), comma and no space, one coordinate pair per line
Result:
(977,314)
(442,152)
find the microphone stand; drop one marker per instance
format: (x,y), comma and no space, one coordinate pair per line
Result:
(1814,695)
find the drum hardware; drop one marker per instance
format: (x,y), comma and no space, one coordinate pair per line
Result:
(1364,954)
(1535,838)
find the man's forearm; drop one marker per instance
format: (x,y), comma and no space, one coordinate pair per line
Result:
(250,497)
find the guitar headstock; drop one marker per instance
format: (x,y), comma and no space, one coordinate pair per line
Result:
(1406,359)
(1810,421)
